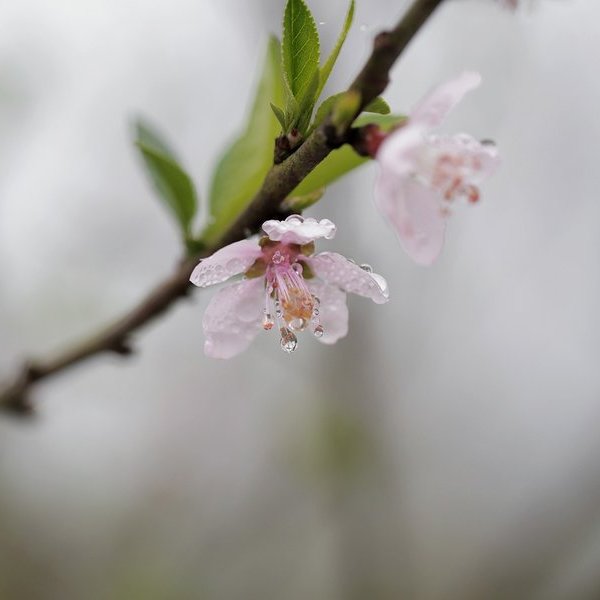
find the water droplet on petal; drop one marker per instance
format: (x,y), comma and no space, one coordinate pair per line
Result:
(298,268)
(235,264)
(295,219)
(318,331)
(289,342)
(367,268)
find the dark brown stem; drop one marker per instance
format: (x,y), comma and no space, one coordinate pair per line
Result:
(278,183)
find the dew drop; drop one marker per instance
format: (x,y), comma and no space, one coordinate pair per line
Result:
(268,322)
(295,219)
(318,331)
(235,264)
(297,324)
(367,268)
(289,342)
(298,268)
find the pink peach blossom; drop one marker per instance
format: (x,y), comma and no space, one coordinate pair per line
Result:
(285,284)
(422,174)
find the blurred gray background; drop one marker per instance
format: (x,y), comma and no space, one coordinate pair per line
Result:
(448,448)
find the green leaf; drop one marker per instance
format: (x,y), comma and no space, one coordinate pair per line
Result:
(386,122)
(324,109)
(307,103)
(174,186)
(343,160)
(280,115)
(330,62)
(299,47)
(300,203)
(242,168)
(379,105)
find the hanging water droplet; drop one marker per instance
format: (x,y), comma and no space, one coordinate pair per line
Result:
(298,268)
(367,268)
(316,311)
(317,301)
(268,321)
(278,311)
(318,331)
(297,324)
(289,342)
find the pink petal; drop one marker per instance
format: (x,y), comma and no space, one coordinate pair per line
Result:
(481,160)
(233,318)
(297,230)
(414,211)
(434,107)
(225,263)
(337,270)
(399,152)
(333,311)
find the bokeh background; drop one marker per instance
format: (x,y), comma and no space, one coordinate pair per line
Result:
(448,448)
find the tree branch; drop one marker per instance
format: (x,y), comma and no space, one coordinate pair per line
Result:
(278,183)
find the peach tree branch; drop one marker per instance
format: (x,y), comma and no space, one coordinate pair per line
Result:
(278,183)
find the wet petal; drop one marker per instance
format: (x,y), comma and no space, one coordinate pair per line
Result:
(225,263)
(233,318)
(297,230)
(337,270)
(333,311)
(433,108)
(415,213)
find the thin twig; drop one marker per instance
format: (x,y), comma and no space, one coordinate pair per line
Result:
(278,183)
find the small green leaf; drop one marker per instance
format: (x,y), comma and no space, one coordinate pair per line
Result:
(242,168)
(343,160)
(299,47)
(300,203)
(379,105)
(324,109)
(174,186)
(280,116)
(307,104)
(386,122)
(330,62)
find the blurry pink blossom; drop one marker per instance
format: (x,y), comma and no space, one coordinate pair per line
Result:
(422,174)
(285,284)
